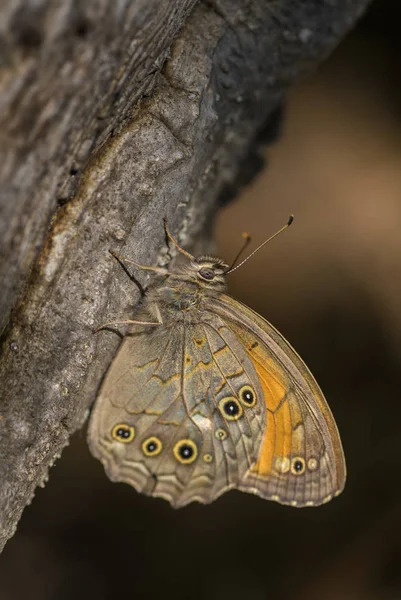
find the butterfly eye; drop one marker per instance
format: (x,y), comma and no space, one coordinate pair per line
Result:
(231,408)
(185,451)
(123,433)
(247,396)
(207,273)
(152,446)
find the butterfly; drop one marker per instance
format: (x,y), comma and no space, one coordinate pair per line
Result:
(205,396)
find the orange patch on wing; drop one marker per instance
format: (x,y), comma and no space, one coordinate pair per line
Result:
(283,430)
(277,440)
(264,463)
(273,385)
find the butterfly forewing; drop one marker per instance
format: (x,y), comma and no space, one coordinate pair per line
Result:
(301,460)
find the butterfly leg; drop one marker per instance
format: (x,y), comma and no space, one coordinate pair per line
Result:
(131,322)
(128,322)
(122,259)
(174,241)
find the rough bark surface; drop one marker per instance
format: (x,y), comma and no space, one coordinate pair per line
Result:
(115,115)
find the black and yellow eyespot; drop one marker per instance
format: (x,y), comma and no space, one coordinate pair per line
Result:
(123,433)
(208,458)
(297,465)
(152,446)
(230,408)
(247,396)
(185,451)
(220,434)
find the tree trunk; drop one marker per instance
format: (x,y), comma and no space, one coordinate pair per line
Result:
(115,115)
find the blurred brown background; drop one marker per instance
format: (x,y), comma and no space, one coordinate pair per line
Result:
(332,285)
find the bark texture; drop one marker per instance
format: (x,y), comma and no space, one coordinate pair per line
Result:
(113,116)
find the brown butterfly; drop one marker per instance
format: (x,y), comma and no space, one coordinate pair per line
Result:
(206,396)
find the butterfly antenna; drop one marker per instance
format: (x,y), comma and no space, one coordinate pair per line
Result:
(290,220)
(247,239)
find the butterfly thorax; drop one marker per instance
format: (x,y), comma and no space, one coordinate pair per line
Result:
(186,287)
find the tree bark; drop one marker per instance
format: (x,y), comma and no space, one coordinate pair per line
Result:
(114,116)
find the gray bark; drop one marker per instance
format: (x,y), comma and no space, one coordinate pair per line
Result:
(115,115)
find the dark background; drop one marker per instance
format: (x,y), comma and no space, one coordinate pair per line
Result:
(332,285)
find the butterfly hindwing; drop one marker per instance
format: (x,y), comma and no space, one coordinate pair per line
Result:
(161,422)
(141,385)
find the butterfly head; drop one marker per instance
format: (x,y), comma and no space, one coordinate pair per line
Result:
(210,271)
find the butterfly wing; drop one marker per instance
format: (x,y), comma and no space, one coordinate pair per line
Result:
(170,420)
(300,460)
(190,411)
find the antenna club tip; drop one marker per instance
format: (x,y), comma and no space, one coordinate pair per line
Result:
(245,235)
(290,220)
